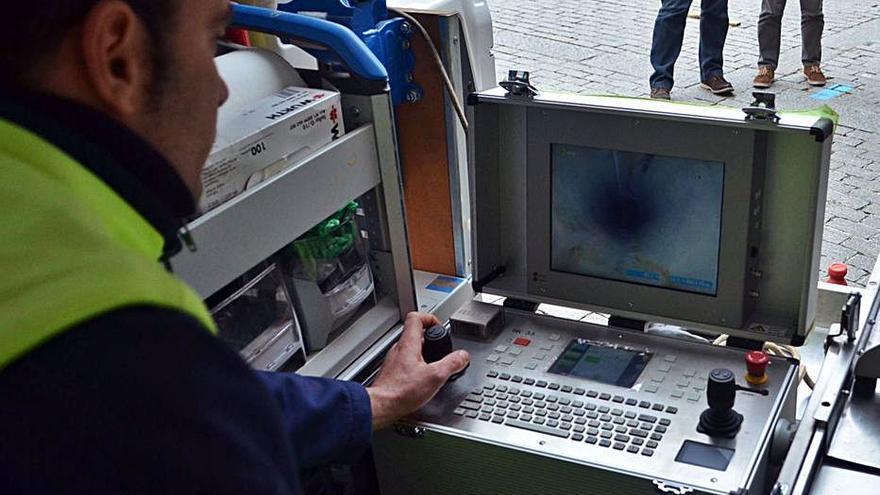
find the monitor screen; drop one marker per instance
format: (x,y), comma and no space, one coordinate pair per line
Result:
(639,218)
(601,363)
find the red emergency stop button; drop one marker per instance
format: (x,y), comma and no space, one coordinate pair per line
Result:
(522,341)
(756,363)
(837,274)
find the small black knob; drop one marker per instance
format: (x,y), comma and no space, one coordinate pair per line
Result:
(438,343)
(721,389)
(720,419)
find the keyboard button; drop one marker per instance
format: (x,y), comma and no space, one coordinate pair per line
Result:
(638,433)
(579,391)
(541,383)
(577,437)
(671,409)
(637,441)
(632,449)
(644,404)
(553,386)
(665,422)
(631,402)
(647,452)
(567,388)
(605,443)
(591,440)
(647,418)
(536,428)
(592,393)
(504,376)
(517,379)
(529,381)
(652,444)
(618,399)
(605,396)
(658,407)
(619,446)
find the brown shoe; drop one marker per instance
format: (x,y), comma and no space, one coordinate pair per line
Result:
(765,77)
(814,75)
(717,85)
(660,93)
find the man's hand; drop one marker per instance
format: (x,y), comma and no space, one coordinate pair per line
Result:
(406,382)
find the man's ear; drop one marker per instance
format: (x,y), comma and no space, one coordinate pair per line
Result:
(116,54)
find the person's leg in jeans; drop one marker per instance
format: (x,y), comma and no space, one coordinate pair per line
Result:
(812,24)
(770,32)
(713,34)
(666,45)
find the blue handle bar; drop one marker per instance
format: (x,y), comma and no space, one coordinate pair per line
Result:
(339,39)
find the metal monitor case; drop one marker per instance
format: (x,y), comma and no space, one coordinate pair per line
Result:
(773,206)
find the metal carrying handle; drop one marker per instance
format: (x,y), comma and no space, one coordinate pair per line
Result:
(315,34)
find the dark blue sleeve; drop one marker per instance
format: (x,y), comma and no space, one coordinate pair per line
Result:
(326,420)
(140,401)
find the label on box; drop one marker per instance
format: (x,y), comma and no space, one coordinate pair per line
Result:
(265,138)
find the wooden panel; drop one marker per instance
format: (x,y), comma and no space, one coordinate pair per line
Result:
(425,162)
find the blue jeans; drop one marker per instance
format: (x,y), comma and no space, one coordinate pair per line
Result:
(669,32)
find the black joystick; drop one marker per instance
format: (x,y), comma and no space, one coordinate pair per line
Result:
(438,343)
(720,420)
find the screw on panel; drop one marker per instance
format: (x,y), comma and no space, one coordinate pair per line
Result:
(406,28)
(413,96)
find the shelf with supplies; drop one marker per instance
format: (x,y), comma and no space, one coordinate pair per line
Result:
(237,235)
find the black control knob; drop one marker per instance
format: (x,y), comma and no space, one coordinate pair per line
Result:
(438,343)
(720,419)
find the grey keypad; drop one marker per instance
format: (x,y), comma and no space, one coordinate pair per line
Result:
(627,428)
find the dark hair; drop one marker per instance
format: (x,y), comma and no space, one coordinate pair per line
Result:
(33,33)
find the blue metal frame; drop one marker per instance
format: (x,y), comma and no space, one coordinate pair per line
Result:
(388,39)
(323,39)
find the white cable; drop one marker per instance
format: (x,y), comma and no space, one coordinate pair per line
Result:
(783,350)
(450,89)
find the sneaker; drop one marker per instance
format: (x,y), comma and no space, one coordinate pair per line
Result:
(765,77)
(660,93)
(717,85)
(814,75)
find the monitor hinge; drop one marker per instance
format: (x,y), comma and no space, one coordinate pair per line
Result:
(518,84)
(763,108)
(744,344)
(628,323)
(521,304)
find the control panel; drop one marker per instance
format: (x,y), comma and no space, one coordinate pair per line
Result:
(626,401)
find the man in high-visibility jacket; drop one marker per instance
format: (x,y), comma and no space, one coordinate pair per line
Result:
(110,378)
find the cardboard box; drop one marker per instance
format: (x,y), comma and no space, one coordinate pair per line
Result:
(265,138)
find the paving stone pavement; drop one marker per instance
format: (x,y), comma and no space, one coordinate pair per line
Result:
(600,47)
